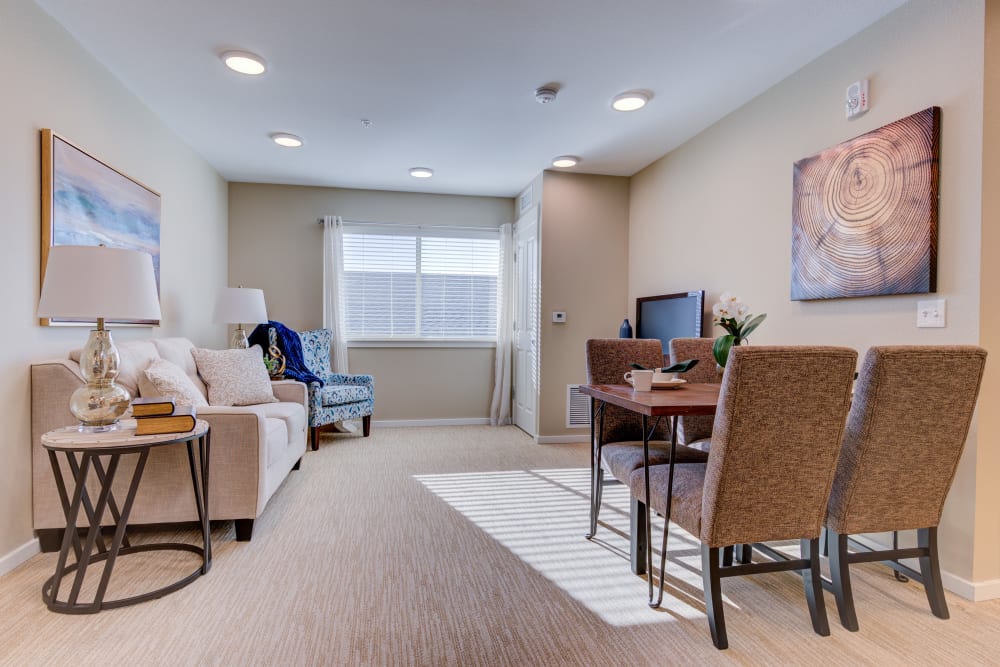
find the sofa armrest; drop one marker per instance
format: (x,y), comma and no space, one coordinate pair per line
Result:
(290,391)
(238,434)
(343,378)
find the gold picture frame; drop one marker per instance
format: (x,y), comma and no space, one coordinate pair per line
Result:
(86,201)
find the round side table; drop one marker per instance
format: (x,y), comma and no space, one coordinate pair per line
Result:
(102,453)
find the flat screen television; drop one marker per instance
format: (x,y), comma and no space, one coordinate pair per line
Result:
(670,316)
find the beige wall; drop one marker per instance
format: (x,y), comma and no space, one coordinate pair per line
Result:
(276,244)
(584,250)
(726,196)
(49,81)
(987,525)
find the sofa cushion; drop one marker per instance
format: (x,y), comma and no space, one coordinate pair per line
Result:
(293,415)
(336,394)
(235,377)
(178,351)
(168,379)
(134,357)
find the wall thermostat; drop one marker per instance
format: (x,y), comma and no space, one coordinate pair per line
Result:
(857,98)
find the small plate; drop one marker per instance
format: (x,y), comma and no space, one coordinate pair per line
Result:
(673,383)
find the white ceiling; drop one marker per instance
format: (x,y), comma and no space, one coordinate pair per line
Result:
(449,84)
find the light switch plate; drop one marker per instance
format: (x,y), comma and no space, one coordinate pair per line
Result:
(559,316)
(930,314)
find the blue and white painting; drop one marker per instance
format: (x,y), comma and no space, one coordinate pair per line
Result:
(92,204)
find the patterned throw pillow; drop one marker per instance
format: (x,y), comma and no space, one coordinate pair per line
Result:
(234,377)
(169,379)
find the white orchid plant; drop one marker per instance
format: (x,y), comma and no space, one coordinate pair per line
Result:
(735,318)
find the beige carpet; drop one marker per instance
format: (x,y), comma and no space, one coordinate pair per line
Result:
(461,546)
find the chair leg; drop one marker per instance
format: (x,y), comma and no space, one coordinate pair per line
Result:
(931,572)
(746,554)
(366,425)
(637,536)
(840,573)
(814,587)
(727,556)
(314,437)
(712,583)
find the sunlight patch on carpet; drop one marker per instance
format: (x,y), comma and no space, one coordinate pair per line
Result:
(541,516)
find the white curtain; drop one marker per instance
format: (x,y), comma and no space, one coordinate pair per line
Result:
(500,405)
(333,280)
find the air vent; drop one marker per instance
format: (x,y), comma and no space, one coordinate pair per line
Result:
(577,407)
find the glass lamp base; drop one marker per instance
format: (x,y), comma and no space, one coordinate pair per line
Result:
(98,406)
(100,428)
(100,402)
(239,340)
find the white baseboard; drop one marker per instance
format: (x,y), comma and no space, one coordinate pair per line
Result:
(393,423)
(977,591)
(9,561)
(561,439)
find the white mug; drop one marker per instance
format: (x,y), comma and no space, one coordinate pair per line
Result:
(640,380)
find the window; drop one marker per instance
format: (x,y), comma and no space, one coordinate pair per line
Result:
(418,283)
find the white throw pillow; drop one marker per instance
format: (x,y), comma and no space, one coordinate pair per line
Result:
(169,380)
(234,377)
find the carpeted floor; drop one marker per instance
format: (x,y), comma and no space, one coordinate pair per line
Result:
(461,546)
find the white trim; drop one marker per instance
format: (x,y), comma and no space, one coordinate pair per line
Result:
(405,423)
(19,555)
(977,591)
(561,439)
(426,342)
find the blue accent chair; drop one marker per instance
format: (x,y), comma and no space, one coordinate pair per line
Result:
(341,397)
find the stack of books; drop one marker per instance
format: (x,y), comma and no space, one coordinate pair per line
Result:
(156,416)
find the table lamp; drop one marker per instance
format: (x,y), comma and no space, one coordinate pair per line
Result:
(95,282)
(239,305)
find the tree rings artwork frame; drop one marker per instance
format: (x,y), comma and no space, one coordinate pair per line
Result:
(865,213)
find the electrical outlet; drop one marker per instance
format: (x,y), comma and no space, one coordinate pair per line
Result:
(930,314)
(559,316)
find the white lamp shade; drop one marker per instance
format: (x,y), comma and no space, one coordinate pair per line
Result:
(88,282)
(240,305)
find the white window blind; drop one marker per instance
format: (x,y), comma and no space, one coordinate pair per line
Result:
(420,283)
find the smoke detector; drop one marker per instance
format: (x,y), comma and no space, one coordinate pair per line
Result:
(546,94)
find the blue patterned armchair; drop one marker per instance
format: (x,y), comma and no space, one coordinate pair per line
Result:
(342,396)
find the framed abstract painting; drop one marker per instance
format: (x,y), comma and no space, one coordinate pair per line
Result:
(87,202)
(865,213)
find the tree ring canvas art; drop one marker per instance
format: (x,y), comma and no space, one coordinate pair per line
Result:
(87,202)
(864,213)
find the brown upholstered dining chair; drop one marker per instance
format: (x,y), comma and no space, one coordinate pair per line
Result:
(618,432)
(905,433)
(696,430)
(775,442)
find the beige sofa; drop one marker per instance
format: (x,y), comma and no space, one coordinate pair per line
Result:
(253,448)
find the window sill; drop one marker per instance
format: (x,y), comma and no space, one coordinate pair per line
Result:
(421,343)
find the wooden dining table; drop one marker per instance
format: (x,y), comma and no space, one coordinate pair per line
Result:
(686,399)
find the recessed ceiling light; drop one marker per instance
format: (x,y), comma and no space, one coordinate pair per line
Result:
(286,140)
(421,172)
(564,161)
(631,101)
(244,62)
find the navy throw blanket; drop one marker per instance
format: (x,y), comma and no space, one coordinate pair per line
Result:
(290,344)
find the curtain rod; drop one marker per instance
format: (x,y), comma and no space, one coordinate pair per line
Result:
(410,225)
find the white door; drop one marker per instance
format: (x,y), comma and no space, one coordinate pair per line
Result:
(525,335)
